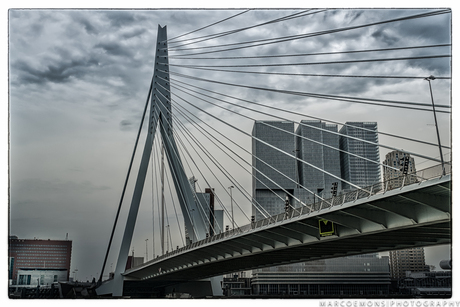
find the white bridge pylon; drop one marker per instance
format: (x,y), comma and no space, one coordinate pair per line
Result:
(160,112)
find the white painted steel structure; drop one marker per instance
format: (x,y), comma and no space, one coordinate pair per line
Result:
(159,117)
(370,219)
(413,215)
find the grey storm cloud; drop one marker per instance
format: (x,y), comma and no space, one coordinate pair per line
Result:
(126,125)
(134,33)
(388,38)
(87,25)
(353,15)
(119,19)
(59,72)
(114,48)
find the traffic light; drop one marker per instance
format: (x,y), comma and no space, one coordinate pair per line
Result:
(253,218)
(334,188)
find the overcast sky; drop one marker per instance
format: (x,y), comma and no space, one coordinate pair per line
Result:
(78,81)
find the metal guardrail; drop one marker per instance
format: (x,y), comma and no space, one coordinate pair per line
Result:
(378,188)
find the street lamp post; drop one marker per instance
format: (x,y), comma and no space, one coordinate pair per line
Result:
(231,205)
(146,251)
(295,151)
(193,218)
(436,123)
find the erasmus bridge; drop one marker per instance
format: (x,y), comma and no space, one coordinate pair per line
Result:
(383,216)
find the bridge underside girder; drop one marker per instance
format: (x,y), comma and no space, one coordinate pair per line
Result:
(415,216)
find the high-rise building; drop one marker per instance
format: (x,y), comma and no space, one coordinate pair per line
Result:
(315,145)
(274,173)
(358,171)
(311,134)
(411,259)
(30,257)
(275,178)
(393,178)
(218,221)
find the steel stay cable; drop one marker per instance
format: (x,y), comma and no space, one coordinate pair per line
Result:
(369,142)
(306,35)
(283,189)
(126,180)
(289,37)
(313,63)
(311,75)
(302,161)
(167,221)
(212,173)
(197,200)
(229,32)
(217,35)
(306,54)
(157,168)
(292,133)
(268,164)
(183,199)
(309,116)
(214,160)
(202,212)
(277,128)
(175,211)
(424,161)
(152,161)
(228,174)
(160,119)
(204,177)
(277,149)
(229,149)
(321,96)
(262,162)
(194,192)
(343,98)
(266,40)
(213,24)
(191,156)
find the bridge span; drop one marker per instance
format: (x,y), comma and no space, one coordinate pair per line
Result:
(411,216)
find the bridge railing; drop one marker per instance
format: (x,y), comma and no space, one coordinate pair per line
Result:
(344,197)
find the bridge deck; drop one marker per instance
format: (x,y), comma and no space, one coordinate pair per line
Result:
(412,216)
